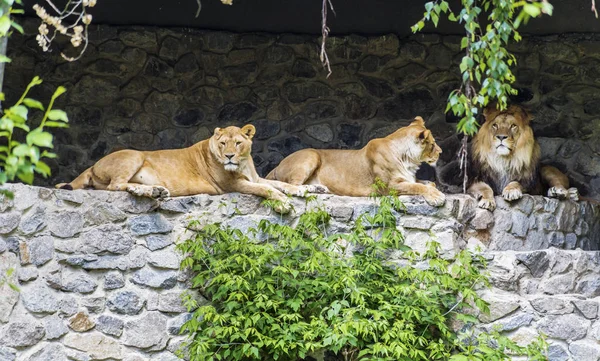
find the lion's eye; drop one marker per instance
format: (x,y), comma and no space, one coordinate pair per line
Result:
(513,127)
(495,126)
(237,143)
(222,143)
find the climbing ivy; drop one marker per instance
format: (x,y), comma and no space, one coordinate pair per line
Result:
(278,292)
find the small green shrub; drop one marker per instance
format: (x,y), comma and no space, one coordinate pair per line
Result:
(279,293)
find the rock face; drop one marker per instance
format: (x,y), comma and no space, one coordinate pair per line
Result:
(113,290)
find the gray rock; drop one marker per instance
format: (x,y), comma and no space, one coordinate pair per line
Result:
(65,224)
(520,224)
(39,299)
(589,286)
(514,322)
(103,213)
(137,332)
(570,241)
(78,282)
(68,305)
(178,204)
(483,219)
(74,196)
(556,239)
(49,352)
(565,327)
(537,262)
(10,296)
(165,356)
(22,334)
(155,279)
(33,222)
(113,280)
(96,345)
(560,284)
(171,302)
(27,274)
(77,355)
(557,353)
(167,258)
(7,354)
(37,251)
(500,306)
(9,221)
(149,223)
(174,325)
(322,132)
(584,350)
(138,257)
(125,302)
(94,304)
(110,325)
(3,246)
(156,241)
(55,327)
(589,309)
(107,263)
(107,238)
(552,305)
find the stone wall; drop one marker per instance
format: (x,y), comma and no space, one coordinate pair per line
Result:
(98,271)
(153,88)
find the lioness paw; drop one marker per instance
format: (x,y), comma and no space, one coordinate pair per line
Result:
(512,194)
(316,188)
(558,192)
(573,194)
(435,198)
(159,192)
(155,192)
(283,207)
(485,203)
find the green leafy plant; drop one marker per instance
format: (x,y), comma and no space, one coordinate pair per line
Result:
(486,66)
(280,293)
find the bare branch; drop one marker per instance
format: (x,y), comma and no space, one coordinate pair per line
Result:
(324,34)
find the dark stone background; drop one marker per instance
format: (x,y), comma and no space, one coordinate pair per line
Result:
(154,88)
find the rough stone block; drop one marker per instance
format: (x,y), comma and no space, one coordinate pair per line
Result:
(126,303)
(564,327)
(23,333)
(95,344)
(155,279)
(110,325)
(149,224)
(147,332)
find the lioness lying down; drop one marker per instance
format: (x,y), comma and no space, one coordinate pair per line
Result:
(393,159)
(505,160)
(217,165)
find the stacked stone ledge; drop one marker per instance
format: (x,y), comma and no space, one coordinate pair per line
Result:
(98,271)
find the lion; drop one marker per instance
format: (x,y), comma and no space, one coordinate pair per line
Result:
(505,159)
(217,165)
(394,160)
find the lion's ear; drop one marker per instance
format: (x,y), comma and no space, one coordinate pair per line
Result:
(249,130)
(218,131)
(418,121)
(424,134)
(490,112)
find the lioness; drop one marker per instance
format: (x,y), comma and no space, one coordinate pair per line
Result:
(393,159)
(216,165)
(505,159)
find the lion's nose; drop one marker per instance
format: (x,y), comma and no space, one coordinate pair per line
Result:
(229,156)
(501,137)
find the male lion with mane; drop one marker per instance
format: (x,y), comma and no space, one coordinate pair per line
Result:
(217,165)
(393,159)
(505,159)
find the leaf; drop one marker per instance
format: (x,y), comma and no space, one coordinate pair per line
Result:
(18,27)
(4,24)
(39,138)
(56,124)
(32,103)
(56,114)
(4,59)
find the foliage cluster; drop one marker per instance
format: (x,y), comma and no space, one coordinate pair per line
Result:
(281,293)
(486,67)
(17,159)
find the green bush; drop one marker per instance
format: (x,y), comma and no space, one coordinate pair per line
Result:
(280,293)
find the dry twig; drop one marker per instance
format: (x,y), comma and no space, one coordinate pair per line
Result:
(324,35)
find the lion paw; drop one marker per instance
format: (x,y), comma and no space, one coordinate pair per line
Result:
(489,204)
(512,194)
(316,188)
(573,194)
(558,192)
(427,183)
(155,192)
(283,207)
(435,198)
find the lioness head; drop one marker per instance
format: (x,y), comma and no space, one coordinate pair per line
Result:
(505,131)
(231,146)
(429,150)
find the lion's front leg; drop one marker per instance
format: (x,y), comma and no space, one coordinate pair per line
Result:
(267,191)
(484,195)
(512,191)
(141,190)
(558,184)
(427,183)
(432,196)
(294,190)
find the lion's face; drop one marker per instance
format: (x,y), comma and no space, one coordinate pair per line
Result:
(504,130)
(231,146)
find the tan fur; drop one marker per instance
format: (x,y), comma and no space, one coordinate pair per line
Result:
(506,157)
(393,159)
(218,165)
